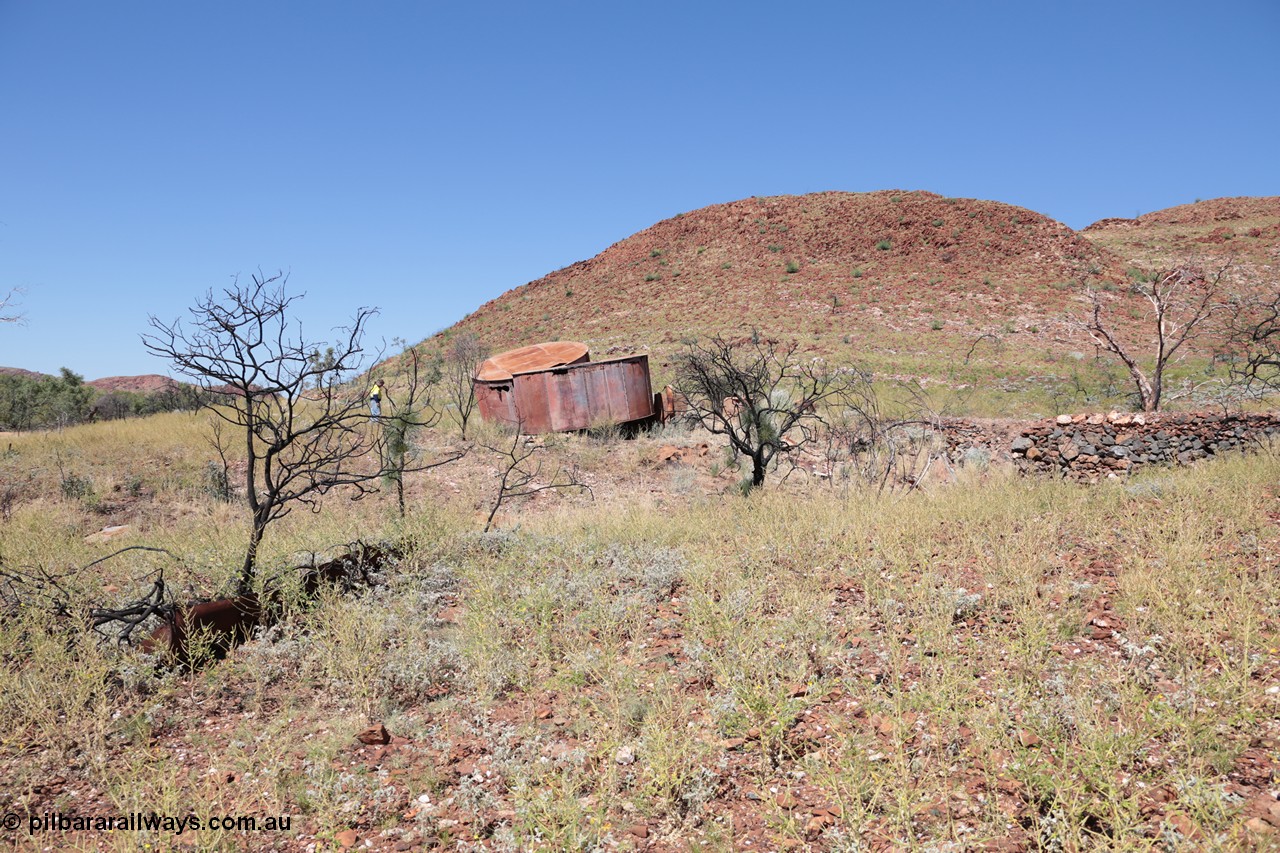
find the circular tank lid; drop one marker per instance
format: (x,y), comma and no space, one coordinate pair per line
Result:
(527,359)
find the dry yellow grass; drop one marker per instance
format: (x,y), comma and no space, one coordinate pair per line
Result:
(997,661)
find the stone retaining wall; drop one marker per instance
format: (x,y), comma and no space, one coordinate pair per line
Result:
(1088,447)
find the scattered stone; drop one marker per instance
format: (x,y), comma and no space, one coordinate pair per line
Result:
(1028,738)
(106,534)
(375,735)
(625,755)
(817,823)
(1258,826)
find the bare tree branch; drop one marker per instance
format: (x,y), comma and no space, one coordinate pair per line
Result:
(303,432)
(759,395)
(1183,300)
(1253,341)
(461,360)
(520,477)
(8,303)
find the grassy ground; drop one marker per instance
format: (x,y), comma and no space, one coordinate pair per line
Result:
(991,664)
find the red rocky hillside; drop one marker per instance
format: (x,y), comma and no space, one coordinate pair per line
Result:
(889,272)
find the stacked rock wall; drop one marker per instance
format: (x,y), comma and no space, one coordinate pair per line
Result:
(1088,447)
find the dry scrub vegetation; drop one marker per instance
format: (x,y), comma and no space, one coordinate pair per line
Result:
(990,664)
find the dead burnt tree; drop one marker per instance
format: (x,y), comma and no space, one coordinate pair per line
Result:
(61,595)
(1183,300)
(1252,344)
(759,394)
(302,432)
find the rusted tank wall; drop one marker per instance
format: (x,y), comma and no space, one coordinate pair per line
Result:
(570,397)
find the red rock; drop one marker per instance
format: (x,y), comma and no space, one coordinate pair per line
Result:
(817,823)
(375,735)
(1183,825)
(347,838)
(640,830)
(1258,826)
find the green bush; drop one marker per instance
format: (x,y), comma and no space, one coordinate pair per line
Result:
(75,487)
(28,402)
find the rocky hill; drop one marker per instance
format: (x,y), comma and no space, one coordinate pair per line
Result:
(1243,231)
(873,267)
(146,384)
(954,291)
(21,372)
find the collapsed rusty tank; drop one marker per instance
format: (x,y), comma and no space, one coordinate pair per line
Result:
(555,387)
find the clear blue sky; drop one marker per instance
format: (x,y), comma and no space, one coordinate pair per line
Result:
(425,157)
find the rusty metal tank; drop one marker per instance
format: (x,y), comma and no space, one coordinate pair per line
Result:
(554,387)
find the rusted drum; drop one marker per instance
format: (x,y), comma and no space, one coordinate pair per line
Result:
(572,395)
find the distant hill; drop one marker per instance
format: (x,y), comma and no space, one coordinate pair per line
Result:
(18,371)
(146,384)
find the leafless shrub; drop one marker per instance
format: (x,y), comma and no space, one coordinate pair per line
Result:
(521,473)
(1183,300)
(761,395)
(461,360)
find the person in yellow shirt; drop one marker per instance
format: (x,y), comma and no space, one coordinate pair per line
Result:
(375,400)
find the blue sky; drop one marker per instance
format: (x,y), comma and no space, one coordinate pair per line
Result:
(425,157)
